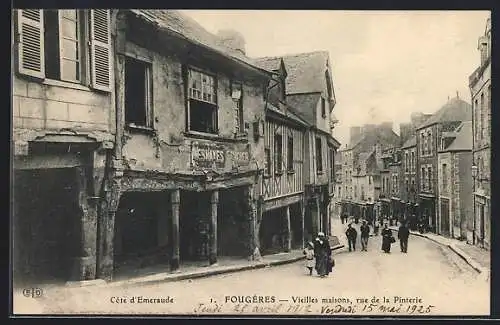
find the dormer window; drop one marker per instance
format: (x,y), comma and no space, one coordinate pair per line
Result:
(323,107)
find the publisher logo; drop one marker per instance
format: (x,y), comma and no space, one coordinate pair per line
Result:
(33,292)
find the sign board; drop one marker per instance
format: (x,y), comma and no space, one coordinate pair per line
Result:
(217,156)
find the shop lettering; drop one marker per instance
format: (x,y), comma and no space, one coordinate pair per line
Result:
(209,155)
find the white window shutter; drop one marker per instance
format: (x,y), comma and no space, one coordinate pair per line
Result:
(100,49)
(31,59)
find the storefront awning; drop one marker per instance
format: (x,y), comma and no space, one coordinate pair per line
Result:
(427,196)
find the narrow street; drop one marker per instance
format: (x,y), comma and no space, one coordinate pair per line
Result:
(449,284)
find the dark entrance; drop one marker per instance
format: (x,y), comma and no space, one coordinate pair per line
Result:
(46,222)
(272,231)
(296,225)
(194,225)
(141,229)
(445,217)
(233,226)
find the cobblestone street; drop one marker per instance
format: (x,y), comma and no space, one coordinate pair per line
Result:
(428,271)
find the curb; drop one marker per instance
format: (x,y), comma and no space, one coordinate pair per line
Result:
(172,278)
(478,268)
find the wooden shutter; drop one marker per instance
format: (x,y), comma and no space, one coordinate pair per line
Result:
(31,60)
(100,49)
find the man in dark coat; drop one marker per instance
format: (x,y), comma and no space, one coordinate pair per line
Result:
(403,234)
(351,235)
(365,234)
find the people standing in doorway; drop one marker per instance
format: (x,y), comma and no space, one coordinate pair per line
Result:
(387,239)
(309,253)
(351,235)
(365,234)
(322,253)
(403,234)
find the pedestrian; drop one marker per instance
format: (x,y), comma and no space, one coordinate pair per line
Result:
(376,227)
(309,253)
(365,233)
(387,239)
(403,234)
(323,255)
(351,235)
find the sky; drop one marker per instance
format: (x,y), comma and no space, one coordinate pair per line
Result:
(385,64)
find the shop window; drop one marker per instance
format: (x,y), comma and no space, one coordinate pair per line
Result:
(202,103)
(138,94)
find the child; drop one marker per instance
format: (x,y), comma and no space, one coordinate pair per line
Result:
(309,253)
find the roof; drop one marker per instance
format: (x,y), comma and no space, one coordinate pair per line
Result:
(290,114)
(387,137)
(176,22)
(306,71)
(305,105)
(455,109)
(411,142)
(463,141)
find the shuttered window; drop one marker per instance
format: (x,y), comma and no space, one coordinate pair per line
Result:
(54,44)
(100,49)
(30,43)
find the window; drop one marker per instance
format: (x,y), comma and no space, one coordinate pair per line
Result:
(290,154)
(482,118)
(429,178)
(413,161)
(237,96)
(423,179)
(362,192)
(445,177)
(369,180)
(488,115)
(67,45)
(202,105)
(355,191)
(278,153)
(267,164)
(430,143)
(323,107)
(422,143)
(412,188)
(407,161)
(138,93)
(477,121)
(319,156)
(332,165)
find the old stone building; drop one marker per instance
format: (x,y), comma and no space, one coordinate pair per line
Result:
(362,167)
(455,210)
(63,136)
(410,181)
(190,146)
(480,86)
(430,134)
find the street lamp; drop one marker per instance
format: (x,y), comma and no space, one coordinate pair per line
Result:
(474,175)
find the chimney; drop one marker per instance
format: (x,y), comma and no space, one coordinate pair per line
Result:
(482,46)
(233,40)
(405,131)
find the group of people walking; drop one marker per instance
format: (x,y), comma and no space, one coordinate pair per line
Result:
(319,256)
(387,237)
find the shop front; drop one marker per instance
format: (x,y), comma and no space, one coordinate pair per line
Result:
(427,212)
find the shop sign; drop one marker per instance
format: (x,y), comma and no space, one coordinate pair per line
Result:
(215,156)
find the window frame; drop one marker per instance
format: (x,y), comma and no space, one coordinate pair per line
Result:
(267,162)
(188,69)
(319,157)
(148,85)
(278,156)
(323,107)
(238,108)
(290,154)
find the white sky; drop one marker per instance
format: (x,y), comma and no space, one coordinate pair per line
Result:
(396,62)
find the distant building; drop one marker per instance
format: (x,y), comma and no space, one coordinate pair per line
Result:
(410,180)
(455,212)
(480,86)
(430,135)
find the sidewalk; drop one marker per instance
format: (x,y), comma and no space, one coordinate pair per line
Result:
(477,258)
(133,278)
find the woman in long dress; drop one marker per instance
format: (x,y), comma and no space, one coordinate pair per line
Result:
(386,239)
(322,254)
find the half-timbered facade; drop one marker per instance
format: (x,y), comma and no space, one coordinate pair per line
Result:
(283,179)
